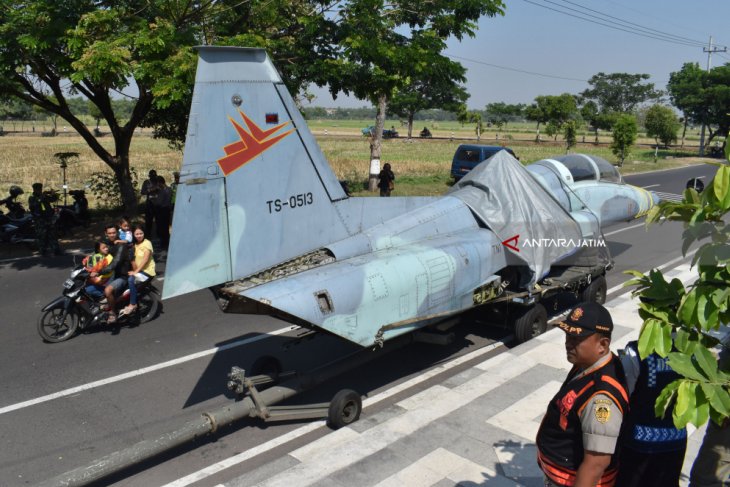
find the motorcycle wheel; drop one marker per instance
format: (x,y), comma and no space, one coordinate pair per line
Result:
(148,307)
(54,327)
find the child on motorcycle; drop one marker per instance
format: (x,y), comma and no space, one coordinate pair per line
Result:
(95,263)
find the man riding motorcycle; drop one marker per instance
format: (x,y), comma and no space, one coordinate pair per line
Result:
(120,266)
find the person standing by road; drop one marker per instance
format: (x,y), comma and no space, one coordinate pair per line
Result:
(149,190)
(39,205)
(386,180)
(651,448)
(162,208)
(578,435)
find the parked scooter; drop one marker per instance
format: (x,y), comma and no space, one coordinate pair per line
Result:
(75,310)
(16,226)
(77,214)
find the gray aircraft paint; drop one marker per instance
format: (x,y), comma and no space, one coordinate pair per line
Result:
(259,199)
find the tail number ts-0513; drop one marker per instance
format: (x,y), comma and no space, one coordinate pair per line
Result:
(294,201)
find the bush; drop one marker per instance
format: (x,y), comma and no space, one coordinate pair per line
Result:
(105,188)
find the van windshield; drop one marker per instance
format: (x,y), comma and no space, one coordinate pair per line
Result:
(469,155)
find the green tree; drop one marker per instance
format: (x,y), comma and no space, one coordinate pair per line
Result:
(704,97)
(383,44)
(51,50)
(471,116)
(684,89)
(691,313)
(662,124)
(437,86)
(501,113)
(553,110)
(570,134)
(624,136)
(620,92)
(589,113)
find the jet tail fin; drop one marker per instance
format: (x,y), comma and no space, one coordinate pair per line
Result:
(255,189)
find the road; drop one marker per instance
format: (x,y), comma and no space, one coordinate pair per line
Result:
(63,405)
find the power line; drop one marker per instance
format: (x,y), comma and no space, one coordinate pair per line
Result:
(658,32)
(507,68)
(598,22)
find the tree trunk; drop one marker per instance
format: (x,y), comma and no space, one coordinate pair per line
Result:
(410,125)
(684,131)
(376,144)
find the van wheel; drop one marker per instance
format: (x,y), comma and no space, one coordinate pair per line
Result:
(531,323)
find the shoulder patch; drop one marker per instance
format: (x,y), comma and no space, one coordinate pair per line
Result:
(602,410)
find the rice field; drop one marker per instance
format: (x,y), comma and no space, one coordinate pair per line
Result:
(421,165)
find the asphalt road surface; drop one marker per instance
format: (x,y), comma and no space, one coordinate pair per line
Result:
(64,405)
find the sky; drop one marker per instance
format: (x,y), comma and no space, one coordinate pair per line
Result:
(533,37)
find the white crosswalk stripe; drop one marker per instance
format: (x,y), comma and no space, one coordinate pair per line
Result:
(669,196)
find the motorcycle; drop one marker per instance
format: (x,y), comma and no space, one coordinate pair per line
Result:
(17,225)
(77,214)
(75,310)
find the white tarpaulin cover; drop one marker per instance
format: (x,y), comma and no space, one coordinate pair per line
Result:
(512,203)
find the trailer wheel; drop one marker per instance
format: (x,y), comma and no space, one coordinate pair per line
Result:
(531,323)
(344,409)
(595,292)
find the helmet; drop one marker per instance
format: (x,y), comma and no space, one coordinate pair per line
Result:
(15,191)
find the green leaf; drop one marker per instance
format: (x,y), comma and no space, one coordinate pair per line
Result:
(647,337)
(683,365)
(663,342)
(721,186)
(719,398)
(680,415)
(707,363)
(699,410)
(685,341)
(664,400)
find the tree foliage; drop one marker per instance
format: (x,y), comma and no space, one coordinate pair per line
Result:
(437,86)
(382,45)
(703,97)
(624,136)
(570,134)
(501,113)
(691,313)
(471,116)
(51,51)
(620,92)
(662,124)
(552,110)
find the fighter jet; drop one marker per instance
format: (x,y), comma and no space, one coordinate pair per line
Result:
(261,218)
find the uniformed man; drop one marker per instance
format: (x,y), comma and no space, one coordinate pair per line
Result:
(652,449)
(39,205)
(578,434)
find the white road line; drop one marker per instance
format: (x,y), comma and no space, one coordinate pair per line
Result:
(623,229)
(142,371)
(303,430)
(651,186)
(660,268)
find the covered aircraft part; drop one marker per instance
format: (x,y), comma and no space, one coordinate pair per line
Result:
(517,208)
(594,184)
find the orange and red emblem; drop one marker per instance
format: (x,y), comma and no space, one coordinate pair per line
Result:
(577,314)
(254,142)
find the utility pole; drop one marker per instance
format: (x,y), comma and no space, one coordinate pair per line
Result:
(709,50)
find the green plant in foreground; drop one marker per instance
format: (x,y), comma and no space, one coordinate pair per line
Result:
(691,313)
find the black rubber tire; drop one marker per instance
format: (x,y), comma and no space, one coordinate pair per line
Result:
(531,323)
(148,307)
(344,409)
(595,292)
(265,365)
(55,328)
